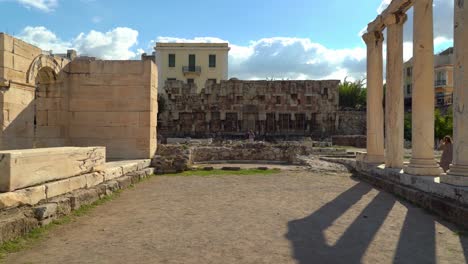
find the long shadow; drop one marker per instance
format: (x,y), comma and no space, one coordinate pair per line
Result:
(306,235)
(416,243)
(464,244)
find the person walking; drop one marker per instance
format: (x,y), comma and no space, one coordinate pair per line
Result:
(447,153)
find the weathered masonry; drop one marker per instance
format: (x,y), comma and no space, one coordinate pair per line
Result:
(422,161)
(54,101)
(234,107)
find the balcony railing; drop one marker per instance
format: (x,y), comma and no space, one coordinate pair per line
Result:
(440,82)
(191,70)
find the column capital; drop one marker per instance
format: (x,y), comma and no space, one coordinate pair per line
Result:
(396,18)
(373,37)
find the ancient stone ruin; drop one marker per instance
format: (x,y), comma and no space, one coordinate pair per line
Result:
(270,108)
(61,100)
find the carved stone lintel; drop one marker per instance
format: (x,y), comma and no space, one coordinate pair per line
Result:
(397,18)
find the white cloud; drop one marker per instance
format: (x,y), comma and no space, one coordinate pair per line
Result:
(117,43)
(43,5)
(288,58)
(114,44)
(44,38)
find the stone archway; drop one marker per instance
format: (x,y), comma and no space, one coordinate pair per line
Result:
(49,124)
(40,62)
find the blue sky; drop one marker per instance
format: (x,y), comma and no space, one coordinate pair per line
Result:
(294,39)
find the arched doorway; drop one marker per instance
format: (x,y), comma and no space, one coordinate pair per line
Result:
(49,110)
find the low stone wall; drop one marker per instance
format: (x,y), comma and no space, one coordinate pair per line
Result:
(37,207)
(172,158)
(250,152)
(447,201)
(358,141)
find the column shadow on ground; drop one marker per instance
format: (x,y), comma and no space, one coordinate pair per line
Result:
(416,241)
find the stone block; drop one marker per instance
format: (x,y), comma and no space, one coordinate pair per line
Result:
(63,205)
(23,168)
(124,182)
(28,196)
(149,171)
(44,211)
(93,179)
(112,172)
(83,197)
(15,223)
(60,187)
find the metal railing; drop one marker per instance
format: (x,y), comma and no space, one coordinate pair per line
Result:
(191,69)
(440,82)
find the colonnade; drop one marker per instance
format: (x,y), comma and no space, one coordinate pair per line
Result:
(389,149)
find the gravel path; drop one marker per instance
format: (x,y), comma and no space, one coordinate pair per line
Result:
(290,217)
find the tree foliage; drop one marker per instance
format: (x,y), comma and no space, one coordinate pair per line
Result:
(353,94)
(443,124)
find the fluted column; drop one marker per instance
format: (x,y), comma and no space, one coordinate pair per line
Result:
(394,98)
(422,160)
(458,173)
(375,116)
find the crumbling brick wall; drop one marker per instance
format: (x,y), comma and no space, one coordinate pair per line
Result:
(295,108)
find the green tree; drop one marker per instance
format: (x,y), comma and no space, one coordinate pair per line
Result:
(352,94)
(443,124)
(407,127)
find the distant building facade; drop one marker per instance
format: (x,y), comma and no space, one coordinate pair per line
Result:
(192,63)
(443,79)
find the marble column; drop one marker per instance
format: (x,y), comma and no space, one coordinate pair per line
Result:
(394,98)
(375,116)
(458,173)
(422,160)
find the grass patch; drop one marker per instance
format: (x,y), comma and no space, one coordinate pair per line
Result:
(218,172)
(39,233)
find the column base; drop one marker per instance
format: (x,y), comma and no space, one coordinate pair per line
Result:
(457,175)
(423,167)
(374,159)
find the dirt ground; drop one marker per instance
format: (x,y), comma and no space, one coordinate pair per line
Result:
(295,216)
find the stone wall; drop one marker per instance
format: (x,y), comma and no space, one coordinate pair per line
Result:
(358,141)
(51,100)
(235,107)
(249,152)
(114,104)
(351,123)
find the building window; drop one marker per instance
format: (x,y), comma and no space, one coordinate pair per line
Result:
(440,79)
(212,61)
(239,99)
(212,80)
(408,89)
(171,60)
(191,62)
(409,71)
(190,81)
(309,100)
(171,79)
(278,99)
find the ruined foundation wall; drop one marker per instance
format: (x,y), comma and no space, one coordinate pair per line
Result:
(302,108)
(114,104)
(351,123)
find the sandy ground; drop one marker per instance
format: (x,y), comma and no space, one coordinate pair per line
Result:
(297,216)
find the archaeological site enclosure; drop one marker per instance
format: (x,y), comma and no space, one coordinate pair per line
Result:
(76,129)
